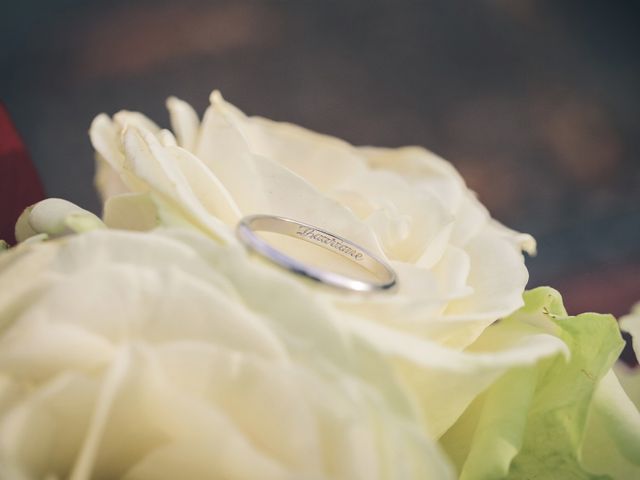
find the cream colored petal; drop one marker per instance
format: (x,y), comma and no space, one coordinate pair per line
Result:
(525,241)
(497,276)
(211,193)
(131,211)
(42,432)
(471,218)
(84,465)
(452,274)
(264,399)
(155,413)
(35,349)
(417,305)
(407,309)
(411,223)
(155,165)
(241,386)
(474,286)
(105,138)
(437,247)
(185,122)
(231,458)
(118,298)
(260,185)
(125,119)
(322,160)
(167,139)
(22,281)
(422,168)
(108,181)
(460,376)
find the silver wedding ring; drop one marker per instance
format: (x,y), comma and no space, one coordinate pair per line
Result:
(385,277)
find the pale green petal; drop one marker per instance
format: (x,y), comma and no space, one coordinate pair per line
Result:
(612,441)
(629,378)
(538,430)
(55,217)
(501,427)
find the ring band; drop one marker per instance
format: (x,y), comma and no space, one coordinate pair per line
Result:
(386,277)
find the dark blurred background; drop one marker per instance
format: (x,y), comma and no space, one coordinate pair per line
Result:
(535,102)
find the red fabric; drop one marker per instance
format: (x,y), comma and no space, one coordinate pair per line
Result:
(20,185)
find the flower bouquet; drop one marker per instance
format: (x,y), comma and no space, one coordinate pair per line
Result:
(154,343)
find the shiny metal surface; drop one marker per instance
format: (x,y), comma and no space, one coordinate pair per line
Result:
(385,277)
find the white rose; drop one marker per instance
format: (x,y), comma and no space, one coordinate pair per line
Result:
(164,356)
(459,270)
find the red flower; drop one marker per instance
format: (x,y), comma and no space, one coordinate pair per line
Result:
(20,185)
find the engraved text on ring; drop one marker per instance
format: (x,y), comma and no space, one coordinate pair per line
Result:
(320,237)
